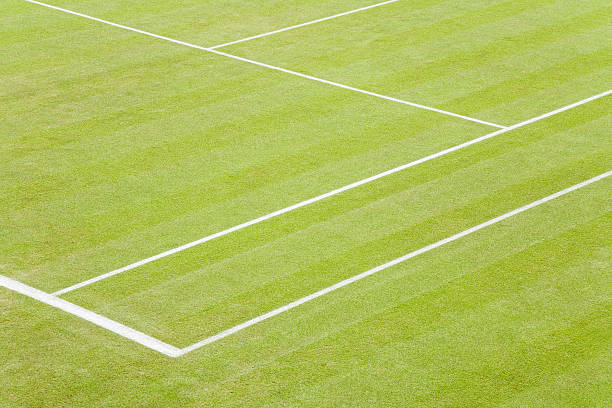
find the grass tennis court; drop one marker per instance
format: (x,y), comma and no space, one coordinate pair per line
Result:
(305,203)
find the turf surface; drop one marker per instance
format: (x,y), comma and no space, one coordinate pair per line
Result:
(118,146)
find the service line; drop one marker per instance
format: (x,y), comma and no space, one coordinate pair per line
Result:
(272,67)
(324,196)
(346,13)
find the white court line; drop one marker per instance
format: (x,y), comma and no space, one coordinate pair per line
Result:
(172,351)
(351,88)
(389,264)
(323,196)
(346,13)
(90,316)
(261,64)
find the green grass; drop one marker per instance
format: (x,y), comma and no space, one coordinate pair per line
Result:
(118,146)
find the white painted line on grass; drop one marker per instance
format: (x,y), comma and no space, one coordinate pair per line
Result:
(382,267)
(346,13)
(90,316)
(351,88)
(171,351)
(323,196)
(261,64)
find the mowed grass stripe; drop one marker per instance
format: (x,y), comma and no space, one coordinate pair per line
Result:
(213,213)
(451,68)
(62,31)
(224,131)
(307,202)
(340,203)
(176,250)
(268,66)
(114,168)
(206,308)
(517,316)
(540,87)
(552,30)
(423,35)
(365,331)
(529,300)
(172,351)
(537,69)
(131,194)
(203,286)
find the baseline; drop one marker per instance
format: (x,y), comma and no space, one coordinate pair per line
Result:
(324,196)
(91,317)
